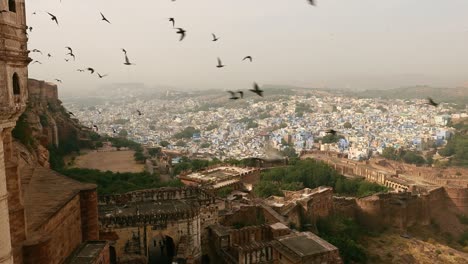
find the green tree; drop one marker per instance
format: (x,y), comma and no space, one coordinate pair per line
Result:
(390,153)
(347,125)
(289,152)
(180,143)
(164,143)
(123,133)
(413,158)
(187,133)
(205,145)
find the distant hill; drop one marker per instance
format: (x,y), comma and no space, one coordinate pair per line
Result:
(447,95)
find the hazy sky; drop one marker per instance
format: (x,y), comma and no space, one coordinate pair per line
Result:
(340,43)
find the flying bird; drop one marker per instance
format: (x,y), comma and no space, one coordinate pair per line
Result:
(312,2)
(104,18)
(36,62)
(48,55)
(181,31)
(30,29)
(91,70)
(220,64)
(127,61)
(36,50)
(97,129)
(233,95)
(124,51)
(101,76)
(214,37)
(241,94)
(171,19)
(70,113)
(139,112)
(331,131)
(431,102)
(257,90)
(69,49)
(67,60)
(247,58)
(53,18)
(72,55)
(58,80)
(34,13)
(99,111)
(113,130)
(80,70)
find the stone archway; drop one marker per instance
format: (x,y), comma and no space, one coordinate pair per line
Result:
(161,250)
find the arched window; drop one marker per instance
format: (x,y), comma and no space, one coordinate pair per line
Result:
(16,85)
(12,5)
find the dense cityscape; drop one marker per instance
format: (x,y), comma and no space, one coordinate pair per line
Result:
(249,128)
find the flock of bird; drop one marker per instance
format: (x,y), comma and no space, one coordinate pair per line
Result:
(182,32)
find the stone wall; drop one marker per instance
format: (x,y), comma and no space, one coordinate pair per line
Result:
(57,238)
(42,91)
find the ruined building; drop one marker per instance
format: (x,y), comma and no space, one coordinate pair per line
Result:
(158,225)
(45,217)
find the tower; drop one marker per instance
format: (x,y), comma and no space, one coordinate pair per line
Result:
(14,61)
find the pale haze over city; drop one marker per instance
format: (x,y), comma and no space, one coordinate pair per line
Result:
(362,44)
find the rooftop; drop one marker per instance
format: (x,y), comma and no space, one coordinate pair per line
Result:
(87,253)
(305,244)
(146,207)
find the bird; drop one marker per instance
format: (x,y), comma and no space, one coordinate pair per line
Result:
(171,19)
(53,18)
(99,111)
(257,90)
(49,55)
(181,31)
(70,113)
(331,131)
(233,95)
(36,50)
(127,61)
(113,130)
(36,62)
(80,70)
(214,37)
(101,76)
(91,70)
(312,2)
(69,49)
(58,80)
(220,64)
(30,29)
(124,51)
(247,58)
(431,102)
(139,112)
(72,55)
(241,94)
(104,18)
(97,129)
(67,60)
(34,12)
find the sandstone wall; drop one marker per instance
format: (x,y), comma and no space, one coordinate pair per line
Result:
(57,238)
(42,92)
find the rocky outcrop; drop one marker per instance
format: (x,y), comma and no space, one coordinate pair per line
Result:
(46,123)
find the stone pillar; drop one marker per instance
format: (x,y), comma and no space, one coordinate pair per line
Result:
(6,256)
(89,214)
(15,197)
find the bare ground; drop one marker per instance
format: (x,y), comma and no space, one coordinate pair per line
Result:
(116,161)
(392,248)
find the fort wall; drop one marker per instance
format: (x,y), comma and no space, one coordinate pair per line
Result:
(57,238)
